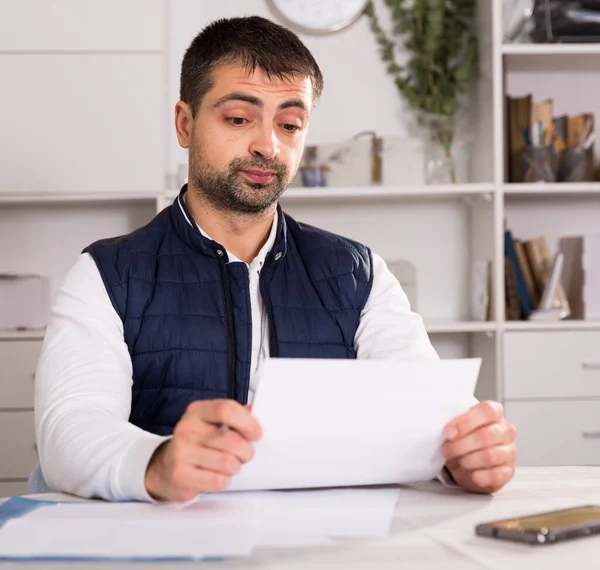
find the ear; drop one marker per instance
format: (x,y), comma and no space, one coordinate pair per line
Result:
(183,123)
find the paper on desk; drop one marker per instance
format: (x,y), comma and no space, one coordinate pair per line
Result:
(315,517)
(211,529)
(333,423)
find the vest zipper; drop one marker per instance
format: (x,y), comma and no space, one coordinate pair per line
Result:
(267,301)
(230,329)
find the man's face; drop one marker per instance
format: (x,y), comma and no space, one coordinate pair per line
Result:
(247,139)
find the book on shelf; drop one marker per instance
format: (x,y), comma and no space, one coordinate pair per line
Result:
(510,252)
(533,278)
(511,302)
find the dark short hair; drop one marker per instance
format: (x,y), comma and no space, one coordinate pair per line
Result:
(252,42)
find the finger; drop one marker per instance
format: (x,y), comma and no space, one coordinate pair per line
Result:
(197,435)
(482,438)
(188,481)
(229,413)
(489,457)
(494,478)
(217,461)
(230,442)
(482,414)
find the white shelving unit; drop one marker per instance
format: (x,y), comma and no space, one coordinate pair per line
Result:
(47,219)
(545,372)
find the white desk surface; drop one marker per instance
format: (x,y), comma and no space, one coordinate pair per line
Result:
(433,529)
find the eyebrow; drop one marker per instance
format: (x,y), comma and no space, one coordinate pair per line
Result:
(297,103)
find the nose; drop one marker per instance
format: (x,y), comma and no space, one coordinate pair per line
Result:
(265,144)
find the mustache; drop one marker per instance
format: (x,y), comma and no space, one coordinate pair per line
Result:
(238,164)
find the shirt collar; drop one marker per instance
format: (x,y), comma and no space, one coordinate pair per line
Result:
(259,260)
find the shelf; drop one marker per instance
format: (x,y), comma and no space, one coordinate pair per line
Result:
(433,327)
(566,325)
(551,49)
(451,327)
(23,335)
(387,193)
(559,189)
(366,193)
(83,198)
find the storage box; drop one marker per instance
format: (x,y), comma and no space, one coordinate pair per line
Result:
(24,301)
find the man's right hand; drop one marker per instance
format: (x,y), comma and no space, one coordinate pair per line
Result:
(209,445)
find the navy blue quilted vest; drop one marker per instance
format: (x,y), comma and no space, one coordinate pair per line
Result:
(186,310)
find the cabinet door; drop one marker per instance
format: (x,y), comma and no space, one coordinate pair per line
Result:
(551,364)
(557,432)
(12,488)
(99,126)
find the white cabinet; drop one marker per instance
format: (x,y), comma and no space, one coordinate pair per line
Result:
(99,125)
(552,394)
(18,451)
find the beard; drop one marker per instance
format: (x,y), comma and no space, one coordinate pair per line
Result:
(228,190)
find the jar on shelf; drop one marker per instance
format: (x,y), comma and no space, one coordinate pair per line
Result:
(446,158)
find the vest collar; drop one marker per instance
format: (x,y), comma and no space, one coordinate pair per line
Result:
(188,231)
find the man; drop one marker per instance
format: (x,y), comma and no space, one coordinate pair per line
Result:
(156,337)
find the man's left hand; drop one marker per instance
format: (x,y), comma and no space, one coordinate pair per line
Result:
(480,449)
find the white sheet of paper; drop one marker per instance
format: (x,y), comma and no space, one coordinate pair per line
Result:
(132,530)
(339,423)
(298,518)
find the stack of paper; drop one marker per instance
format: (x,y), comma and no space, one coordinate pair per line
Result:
(226,525)
(130,531)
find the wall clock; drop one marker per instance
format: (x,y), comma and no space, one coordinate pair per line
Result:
(318,16)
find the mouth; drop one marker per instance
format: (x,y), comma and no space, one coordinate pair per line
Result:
(260,176)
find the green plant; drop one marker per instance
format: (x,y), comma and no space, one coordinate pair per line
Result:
(439,41)
(441,44)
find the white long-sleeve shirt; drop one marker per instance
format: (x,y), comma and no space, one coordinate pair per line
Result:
(86,444)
